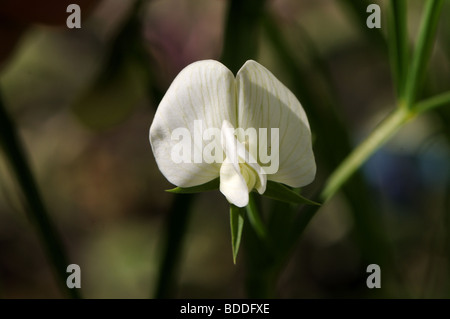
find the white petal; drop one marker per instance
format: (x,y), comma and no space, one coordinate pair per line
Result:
(264,102)
(204,90)
(236,152)
(233,184)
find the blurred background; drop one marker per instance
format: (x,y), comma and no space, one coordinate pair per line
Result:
(83,101)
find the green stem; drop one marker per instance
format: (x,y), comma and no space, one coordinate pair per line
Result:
(422,51)
(36,210)
(432,103)
(398,43)
(378,137)
(173,244)
(254,217)
(241,32)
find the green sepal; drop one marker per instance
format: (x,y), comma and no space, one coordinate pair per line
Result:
(255,218)
(209,186)
(236,225)
(282,193)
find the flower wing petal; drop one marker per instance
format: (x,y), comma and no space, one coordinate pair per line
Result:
(203,91)
(233,185)
(264,102)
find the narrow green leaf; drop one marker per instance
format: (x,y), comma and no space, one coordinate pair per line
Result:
(442,99)
(237,224)
(398,43)
(282,193)
(209,186)
(15,154)
(367,148)
(423,50)
(254,217)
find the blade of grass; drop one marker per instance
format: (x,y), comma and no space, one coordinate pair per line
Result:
(398,43)
(37,212)
(442,99)
(422,52)
(354,161)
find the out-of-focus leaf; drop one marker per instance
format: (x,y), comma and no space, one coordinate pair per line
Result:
(241,32)
(12,146)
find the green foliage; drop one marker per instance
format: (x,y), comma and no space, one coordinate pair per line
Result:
(236,226)
(283,193)
(209,186)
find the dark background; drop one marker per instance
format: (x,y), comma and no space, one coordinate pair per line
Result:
(83,101)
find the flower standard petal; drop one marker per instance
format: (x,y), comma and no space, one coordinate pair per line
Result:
(200,97)
(264,102)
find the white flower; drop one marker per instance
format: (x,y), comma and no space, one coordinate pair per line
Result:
(206,92)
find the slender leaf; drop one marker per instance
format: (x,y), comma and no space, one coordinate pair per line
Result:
(422,52)
(398,43)
(209,186)
(442,99)
(237,224)
(354,161)
(254,218)
(13,148)
(282,193)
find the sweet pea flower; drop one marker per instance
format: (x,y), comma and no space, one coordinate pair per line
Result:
(206,101)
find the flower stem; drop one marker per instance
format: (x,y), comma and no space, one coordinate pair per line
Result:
(255,218)
(241,32)
(37,212)
(378,137)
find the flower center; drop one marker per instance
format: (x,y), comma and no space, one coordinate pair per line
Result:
(250,176)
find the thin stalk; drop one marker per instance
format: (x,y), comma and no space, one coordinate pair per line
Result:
(254,217)
(13,149)
(422,52)
(398,43)
(432,103)
(378,137)
(241,43)
(241,32)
